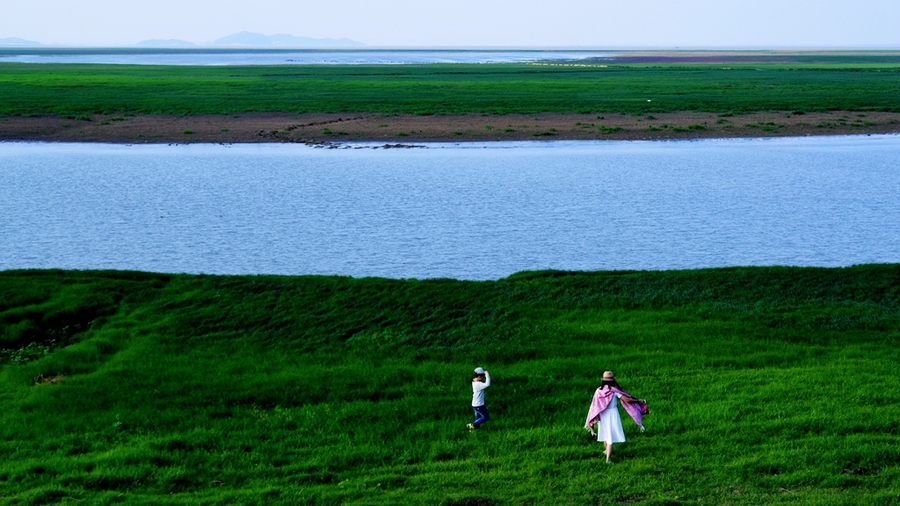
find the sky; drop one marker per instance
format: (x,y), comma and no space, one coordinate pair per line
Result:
(774,24)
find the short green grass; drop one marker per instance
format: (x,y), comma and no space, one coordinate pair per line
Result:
(83,90)
(766,385)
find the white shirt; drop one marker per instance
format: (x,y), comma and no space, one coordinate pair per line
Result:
(478,390)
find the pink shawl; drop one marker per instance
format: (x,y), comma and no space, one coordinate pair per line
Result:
(602,398)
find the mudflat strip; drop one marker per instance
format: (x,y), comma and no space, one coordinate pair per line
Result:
(348,127)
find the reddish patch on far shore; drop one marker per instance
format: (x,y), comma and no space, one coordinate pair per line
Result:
(336,128)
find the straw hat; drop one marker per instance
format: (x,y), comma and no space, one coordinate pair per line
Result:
(608,376)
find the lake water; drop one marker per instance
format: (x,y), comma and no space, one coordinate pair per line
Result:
(285,57)
(469,211)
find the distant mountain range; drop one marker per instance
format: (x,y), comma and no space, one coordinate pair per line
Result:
(15,41)
(240,39)
(251,39)
(165,43)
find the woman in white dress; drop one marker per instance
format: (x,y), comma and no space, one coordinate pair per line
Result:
(605,412)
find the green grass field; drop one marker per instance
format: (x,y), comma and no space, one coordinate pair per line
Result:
(82,90)
(766,386)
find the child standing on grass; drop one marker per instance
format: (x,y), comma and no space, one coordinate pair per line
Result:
(604,412)
(481,381)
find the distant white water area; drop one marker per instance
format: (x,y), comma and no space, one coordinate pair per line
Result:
(287,57)
(467,211)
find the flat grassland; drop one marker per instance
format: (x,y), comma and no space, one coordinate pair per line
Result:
(766,386)
(659,98)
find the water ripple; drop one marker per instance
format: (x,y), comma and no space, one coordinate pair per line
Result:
(474,211)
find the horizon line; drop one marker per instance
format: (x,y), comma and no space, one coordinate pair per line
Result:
(367,47)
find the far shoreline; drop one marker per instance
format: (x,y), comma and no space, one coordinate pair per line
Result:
(340,128)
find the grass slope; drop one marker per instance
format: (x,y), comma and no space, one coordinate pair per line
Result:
(82,90)
(766,385)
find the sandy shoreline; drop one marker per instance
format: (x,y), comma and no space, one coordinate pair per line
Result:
(349,127)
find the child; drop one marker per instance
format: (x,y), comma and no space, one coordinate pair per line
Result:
(482,380)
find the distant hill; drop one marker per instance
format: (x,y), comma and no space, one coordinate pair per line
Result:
(251,39)
(165,43)
(15,41)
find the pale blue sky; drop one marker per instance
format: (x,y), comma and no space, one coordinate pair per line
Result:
(468,23)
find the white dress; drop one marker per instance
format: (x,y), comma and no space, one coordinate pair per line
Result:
(609,428)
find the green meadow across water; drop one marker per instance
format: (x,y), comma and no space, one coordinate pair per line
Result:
(766,386)
(861,83)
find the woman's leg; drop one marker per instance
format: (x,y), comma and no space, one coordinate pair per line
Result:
(608,451)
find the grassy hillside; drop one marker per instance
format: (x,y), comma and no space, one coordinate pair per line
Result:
(766,385)
(82,90)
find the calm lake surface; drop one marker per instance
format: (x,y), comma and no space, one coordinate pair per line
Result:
(469,211)
(284,57)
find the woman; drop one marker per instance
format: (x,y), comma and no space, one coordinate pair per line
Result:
(605,414)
